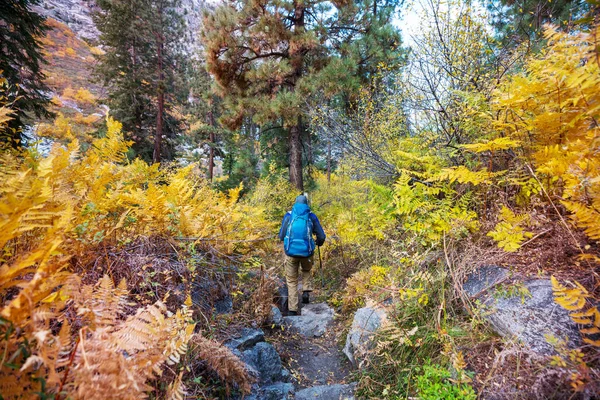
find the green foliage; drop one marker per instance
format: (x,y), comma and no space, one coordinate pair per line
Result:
(21,62)
(353,211)
(142,58)
(436,383)
(524,20)
(286,54)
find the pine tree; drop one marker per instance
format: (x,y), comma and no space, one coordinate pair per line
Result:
(523,20)
(21,63)
(142,40)
(269,57)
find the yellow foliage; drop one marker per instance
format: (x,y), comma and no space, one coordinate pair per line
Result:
(97,51)
(364,284)
(353,211)
(575,300)
(462,174)
(500,143)
(81,96)
(57,332)
(509,232)
(553,110)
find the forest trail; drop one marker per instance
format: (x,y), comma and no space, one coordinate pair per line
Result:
(309,348)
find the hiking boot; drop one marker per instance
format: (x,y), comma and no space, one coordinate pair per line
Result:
(305,297)
(293,313)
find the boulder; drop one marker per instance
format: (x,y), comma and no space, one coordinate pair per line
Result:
(281,299)
(313,320)
(527,317)
(264,359)
(327,392)
(367,321)
(224,305)
(276,391)
(275,318)
(484,278)
(247,338)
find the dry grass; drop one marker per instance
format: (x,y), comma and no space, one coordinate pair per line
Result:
(220,360)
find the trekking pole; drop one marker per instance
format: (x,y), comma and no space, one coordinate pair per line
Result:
(321,267)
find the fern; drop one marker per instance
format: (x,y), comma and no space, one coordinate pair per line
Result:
(575,300)
(222,361)
(509,233)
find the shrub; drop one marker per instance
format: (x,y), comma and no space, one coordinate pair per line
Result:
(436,383)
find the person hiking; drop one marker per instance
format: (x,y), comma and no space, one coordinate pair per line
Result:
(297,229)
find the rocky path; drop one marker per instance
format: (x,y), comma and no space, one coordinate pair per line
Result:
(309,347)
(299,359)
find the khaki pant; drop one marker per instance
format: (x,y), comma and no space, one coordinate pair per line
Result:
(292,265)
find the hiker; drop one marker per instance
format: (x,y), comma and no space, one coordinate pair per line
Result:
(296,233)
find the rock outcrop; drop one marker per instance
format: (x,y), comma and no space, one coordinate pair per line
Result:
(367,321)
(526,315)
(312,322)
(264,363)
(327,392)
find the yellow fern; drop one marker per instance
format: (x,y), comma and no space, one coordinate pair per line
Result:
(575,300)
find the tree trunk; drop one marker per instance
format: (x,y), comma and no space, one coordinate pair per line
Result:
(309,149)
(161,99)
(328,160)
(296,157)
(295,134)
(211,151)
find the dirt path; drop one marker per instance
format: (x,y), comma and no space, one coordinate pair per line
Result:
(314,361)
(309,347)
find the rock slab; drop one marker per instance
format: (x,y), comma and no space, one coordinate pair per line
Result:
(484,278)
(327,392)
(263,362)
(313,320)
(526,317)
(247,338)
(367,321)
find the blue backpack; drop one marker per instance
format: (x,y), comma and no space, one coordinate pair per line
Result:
(298,241)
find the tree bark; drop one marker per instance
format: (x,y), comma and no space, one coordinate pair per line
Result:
(296,157)
(328,160)
(211,151)
(161,97)
(295,133)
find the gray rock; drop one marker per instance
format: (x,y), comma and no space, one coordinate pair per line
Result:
(224,306)
(367,321)
(327,392)
(275,319)
(248,338)
(527,317)
(530,318)
(264,359)
(276,391)
(484,278)
(313,320)
(282,297)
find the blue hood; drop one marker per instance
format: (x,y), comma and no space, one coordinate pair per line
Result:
(301,209)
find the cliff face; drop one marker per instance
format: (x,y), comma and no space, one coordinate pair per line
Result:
(77,15)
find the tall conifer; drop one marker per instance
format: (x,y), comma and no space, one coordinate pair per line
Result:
(142,40)
(21,62)
(269,56)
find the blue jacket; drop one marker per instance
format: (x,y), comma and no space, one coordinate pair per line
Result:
(317,229)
